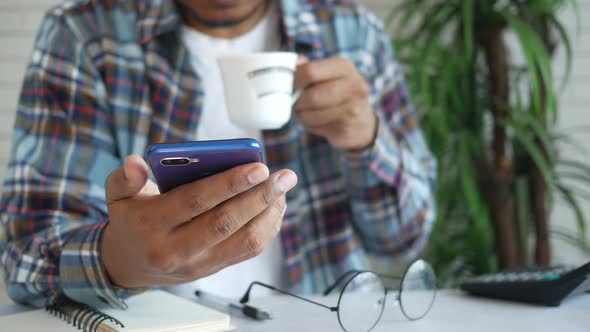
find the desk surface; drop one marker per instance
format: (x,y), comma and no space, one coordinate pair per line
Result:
(452,311)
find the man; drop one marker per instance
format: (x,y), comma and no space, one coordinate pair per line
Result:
(80,217)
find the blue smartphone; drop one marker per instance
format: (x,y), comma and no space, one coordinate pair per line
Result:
(176,164)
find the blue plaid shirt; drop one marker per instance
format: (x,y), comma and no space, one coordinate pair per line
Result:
(107,78)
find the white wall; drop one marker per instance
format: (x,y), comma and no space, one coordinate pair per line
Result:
(574,102)
(19,20)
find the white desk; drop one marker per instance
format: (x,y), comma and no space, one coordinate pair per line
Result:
(452,311)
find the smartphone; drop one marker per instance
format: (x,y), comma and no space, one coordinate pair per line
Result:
(176,164)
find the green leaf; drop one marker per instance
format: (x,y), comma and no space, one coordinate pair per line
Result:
(567,139)
(405,12)
(573,239)
(468,8)
(541,7)
(471,191)
(578,13)
(400,15)
(578,165)
(536,155)
(574,204)
(525,121)
(578,192)
(467,181)
(425,81)
(522,206)
(522,31)
(565,40)
(581,178)
(537,62)
(424,66)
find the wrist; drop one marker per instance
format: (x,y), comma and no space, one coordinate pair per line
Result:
(109,256)
(83,277)
(367,143)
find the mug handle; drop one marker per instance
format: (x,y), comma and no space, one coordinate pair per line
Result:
(295,96)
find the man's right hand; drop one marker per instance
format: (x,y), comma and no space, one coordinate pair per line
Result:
(195,230)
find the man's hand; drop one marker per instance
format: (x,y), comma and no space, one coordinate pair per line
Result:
(335,103)
(195,230)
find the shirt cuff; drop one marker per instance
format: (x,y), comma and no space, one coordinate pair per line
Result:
(377,164)
(83,277)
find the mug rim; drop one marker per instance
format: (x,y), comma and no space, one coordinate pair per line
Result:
(256,55)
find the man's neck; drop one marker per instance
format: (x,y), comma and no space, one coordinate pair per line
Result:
(238,28)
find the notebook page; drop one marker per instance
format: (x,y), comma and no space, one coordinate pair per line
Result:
(36,320)
(158,310)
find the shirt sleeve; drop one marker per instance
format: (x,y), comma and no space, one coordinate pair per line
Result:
(390,183)
(53,210)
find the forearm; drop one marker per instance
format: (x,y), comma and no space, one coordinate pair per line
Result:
(391,183)
(38,273)
(50,239)
(53,207)
(391,196)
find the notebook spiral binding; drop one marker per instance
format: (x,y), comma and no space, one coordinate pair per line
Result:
(85,317)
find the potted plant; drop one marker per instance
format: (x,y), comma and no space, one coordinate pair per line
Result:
(490,118)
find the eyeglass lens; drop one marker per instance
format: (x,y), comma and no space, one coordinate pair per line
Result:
(418,290)
(361,302)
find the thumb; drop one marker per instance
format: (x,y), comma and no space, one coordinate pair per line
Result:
(302,59)
(127,181)
(298,79)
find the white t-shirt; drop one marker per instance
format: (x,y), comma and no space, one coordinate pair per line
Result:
(215,124)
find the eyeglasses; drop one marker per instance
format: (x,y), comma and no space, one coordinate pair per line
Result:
(363,293)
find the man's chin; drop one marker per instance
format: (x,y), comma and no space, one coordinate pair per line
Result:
(223,13)
(224,4)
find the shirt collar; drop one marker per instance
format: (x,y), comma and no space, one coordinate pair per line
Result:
(158,17)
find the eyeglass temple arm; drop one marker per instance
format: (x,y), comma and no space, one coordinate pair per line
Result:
(339,281)
(246,296)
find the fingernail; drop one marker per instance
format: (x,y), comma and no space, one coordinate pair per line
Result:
(301,59)
(257,175)
(286,181)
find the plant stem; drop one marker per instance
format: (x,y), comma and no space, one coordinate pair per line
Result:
(537,185)
(501,175)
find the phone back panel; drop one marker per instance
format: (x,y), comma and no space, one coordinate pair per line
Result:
(213,157)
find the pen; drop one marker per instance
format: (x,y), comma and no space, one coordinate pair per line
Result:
(246,310)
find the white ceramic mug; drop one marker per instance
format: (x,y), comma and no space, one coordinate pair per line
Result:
(259,88)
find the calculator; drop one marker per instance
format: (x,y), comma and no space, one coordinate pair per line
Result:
(547,286)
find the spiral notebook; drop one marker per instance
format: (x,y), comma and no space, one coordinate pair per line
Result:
(151,311)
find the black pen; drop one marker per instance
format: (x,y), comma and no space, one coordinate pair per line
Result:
(246,310)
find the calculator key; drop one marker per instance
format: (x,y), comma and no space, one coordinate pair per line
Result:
(551,276)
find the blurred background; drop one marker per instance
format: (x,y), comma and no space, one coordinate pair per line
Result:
(540,135)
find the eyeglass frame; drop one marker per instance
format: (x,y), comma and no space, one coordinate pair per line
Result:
(246,297)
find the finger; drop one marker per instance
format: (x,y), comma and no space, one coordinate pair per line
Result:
(126,181)
(347,112)
(319,118)
(302,59)
(186,202)
(255,236)
(327,94)
(223,221)
(150,189)
(318,71)
(331,131)
(250,241)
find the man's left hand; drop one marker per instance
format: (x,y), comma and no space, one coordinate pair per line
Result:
(335,103)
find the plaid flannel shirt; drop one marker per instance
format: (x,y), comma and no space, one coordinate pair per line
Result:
(107,79)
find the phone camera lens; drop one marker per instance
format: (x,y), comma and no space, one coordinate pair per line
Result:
(175,162)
